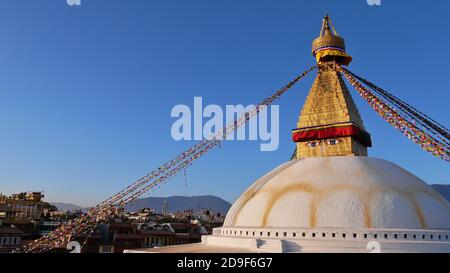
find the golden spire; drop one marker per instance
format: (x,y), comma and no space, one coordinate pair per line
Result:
(329,123)
(329,46)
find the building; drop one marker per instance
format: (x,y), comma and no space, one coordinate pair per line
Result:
(331,197)
(110,238)
(187,233)
(28,196)
(5,212)
(157,235)
(45,227)
(115,237)
(25,206)
(10,238)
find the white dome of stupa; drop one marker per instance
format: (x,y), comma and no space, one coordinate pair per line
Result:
(340,192)
(332,204)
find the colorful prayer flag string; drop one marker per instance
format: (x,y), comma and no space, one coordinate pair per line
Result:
(102,212)
(387,112)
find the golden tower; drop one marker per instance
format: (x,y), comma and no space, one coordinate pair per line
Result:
(329,123)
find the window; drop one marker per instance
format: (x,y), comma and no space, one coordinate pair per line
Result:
(333,235)
(365,236)
(303,234)
(405,236)
(396,236)
(344,235)
(375,236)
(414,236)
(355,235)
(324,234)
(423,236)
(276,234)
(284,234)
(246,233)
(313,234)
(268,234)
(431,236)
(294,234)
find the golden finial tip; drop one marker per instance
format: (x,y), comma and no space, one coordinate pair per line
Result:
(329,45)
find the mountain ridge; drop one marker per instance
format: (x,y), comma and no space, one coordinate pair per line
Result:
(175,203)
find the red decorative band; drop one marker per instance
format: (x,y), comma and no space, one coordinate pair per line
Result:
(301,135)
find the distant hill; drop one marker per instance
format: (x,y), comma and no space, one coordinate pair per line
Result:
(67,206)
(444,190)
(174,203)
(182,203)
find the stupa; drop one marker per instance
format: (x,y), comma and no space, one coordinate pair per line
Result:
(331,197)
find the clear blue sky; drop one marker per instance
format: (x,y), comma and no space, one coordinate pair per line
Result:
(86,92)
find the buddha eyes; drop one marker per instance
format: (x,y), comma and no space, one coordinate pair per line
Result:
(313,144)
(316,143)
(333,141)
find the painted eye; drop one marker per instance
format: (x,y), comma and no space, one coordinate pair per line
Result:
(333,141)
(313,144)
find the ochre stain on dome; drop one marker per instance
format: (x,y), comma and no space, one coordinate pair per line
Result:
(411,196)
(418,211)
(364,195)
(317,198)
(367,216)
(436,196)
(246,196)
(252,191)
(312,211)
(277,194)
(318,195)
